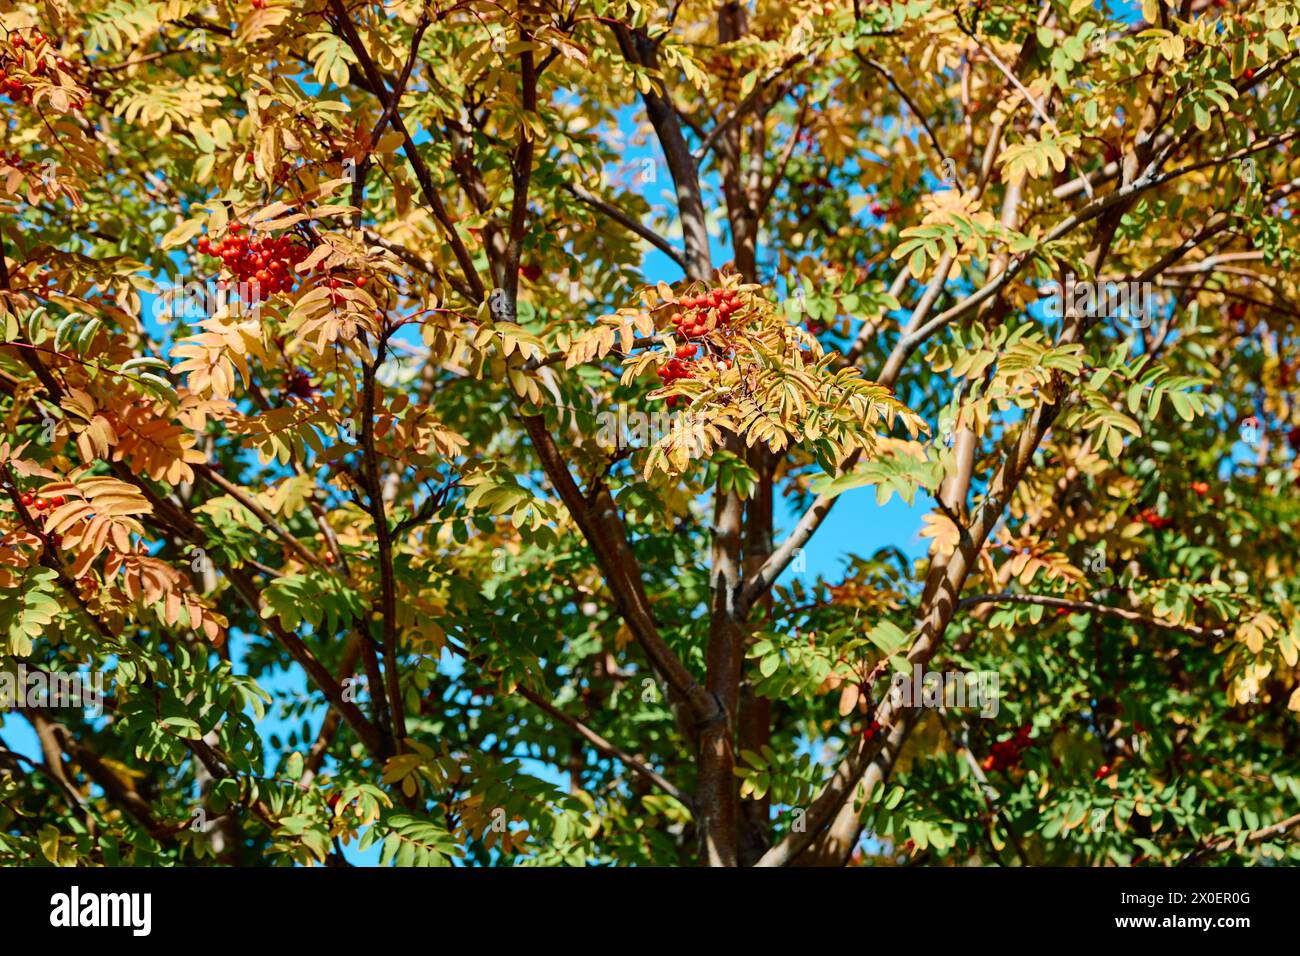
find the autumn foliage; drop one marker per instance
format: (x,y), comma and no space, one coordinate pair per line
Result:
(315,315)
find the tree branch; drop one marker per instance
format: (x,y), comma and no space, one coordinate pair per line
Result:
(1044,600)
(343,24)
(605,746)
(627,222)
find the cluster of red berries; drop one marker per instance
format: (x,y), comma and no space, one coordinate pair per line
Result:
(1202,488)
(18,89)
(1102,771)
(14,160)
(269,262)
(1005,754)
(700,315)
(299,384)
(336,298)
(681,365)
(1149,516)
(42,505)
(869,732)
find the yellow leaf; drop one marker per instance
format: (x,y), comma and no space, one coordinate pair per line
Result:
(848,698)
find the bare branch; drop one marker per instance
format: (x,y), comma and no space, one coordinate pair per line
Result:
(627,222)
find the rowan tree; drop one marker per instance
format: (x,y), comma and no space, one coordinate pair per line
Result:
(316,316)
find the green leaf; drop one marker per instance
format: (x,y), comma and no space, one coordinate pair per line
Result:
(887,636)
(28,609)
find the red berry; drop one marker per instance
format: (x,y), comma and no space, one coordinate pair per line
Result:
(40,504)
(361,282)
(1102,771)
(1201,488)
(58,501)
(27,499)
